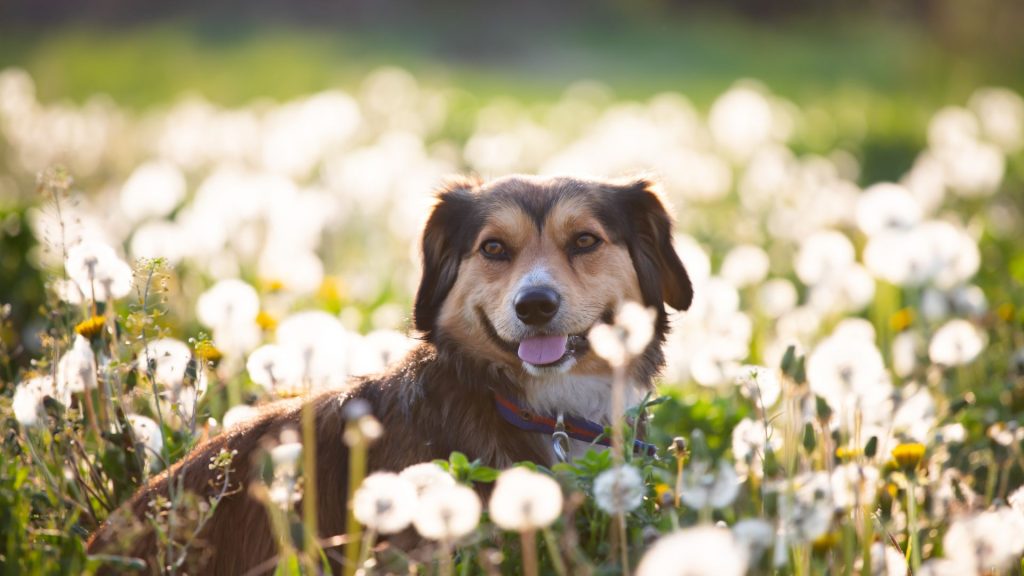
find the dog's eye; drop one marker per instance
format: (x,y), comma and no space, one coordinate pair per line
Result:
(586,241)
(494,250)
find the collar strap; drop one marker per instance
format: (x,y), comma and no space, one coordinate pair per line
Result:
(576,428)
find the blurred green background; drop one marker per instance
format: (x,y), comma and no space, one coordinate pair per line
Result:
(918,54)
(876,71)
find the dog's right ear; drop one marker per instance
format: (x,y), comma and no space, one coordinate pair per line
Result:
(446,239)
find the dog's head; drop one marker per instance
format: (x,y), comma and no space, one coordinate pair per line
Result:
(518,270)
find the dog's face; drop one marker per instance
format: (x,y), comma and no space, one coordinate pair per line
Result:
(518,270)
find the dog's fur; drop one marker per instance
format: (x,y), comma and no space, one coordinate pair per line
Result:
(441,397)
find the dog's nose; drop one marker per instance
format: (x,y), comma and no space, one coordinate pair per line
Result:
(535,306)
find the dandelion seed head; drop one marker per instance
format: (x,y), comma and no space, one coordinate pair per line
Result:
(698,551)
(955,343)
(745,265)
(385,502)
(447,512)
(427,475)
(237,415)
(27,402)
(154,189)
(709,485)
(525,500)
(619,490)
(76,370)
(97,270)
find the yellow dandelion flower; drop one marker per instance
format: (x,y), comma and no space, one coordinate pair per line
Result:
(91,327)
(826,541)
(901,320)
(208,352)
(331,289)
(908,456)
(266,321)
(272,285)
(844,453)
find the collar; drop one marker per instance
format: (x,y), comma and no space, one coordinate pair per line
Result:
(576,428)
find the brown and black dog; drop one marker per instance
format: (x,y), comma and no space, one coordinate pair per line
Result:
(515,273)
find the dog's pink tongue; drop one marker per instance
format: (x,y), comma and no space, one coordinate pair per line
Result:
(542,349)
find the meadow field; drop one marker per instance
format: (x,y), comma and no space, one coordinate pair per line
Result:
(845,395)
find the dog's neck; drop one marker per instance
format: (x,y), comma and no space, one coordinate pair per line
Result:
(584,396)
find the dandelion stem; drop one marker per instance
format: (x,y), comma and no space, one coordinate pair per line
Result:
(618,412)
(556,554)
(529,541)
(444,560)
(624,543)
(868,540)
(367,546)
(356,472)
(309,490)
(914,548)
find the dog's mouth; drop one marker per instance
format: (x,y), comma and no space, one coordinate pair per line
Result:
(541,350)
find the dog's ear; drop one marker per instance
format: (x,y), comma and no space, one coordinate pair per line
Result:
(445,240)
(658,268)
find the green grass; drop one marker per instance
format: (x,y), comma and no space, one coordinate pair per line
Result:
(233,63)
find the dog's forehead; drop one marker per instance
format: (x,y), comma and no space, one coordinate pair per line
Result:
(538,198)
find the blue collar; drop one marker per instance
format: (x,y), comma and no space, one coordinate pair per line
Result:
(576,428)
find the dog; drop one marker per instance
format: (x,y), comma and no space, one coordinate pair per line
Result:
(516,271)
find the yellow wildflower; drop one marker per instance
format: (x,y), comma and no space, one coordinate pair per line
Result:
(908,456)
(91,327)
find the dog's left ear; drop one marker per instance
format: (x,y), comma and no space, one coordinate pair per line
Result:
(660,272)
(445,240)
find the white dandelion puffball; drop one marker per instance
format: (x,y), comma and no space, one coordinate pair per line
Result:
(237,415)
(709,486)
(28,399)
(169,360)
(886,207)
(776,297)
(275,367)
(848,371)
(228,302)
(755,534)
(822,256)
(760,384)
(619,490)
(321,342)
(745,265)
(147,433)
(525,500)
(627,337)
(99,273)
(741,121)
(287,453)
(698,551)
(426,475)
(77,368)
(447,512)
(385,502)
(957,342)
(153,189)
(854,485)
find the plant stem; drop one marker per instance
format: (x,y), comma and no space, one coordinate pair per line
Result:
(624,544)
(618,413)
(309,489)
(356,472)
(529,541)
(914,550)
(868,540)
(556,554)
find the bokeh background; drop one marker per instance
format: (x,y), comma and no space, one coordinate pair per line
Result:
(370,103)
(207,205)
